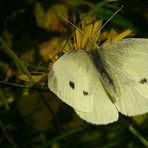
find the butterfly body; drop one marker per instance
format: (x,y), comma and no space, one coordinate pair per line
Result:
(101,82)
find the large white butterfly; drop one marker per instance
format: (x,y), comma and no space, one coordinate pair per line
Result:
(101,82)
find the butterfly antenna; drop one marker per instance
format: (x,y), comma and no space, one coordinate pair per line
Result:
(110,19)
(72,25)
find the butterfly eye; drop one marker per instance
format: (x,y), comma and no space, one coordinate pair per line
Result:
(143,81)
(72,84)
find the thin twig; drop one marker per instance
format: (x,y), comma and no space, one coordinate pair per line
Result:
(10,140)
(23,86)
(13,56)
(135,132)
(93,9)
(4,101)
(23,68)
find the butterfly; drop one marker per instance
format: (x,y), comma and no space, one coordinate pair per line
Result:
(101,82)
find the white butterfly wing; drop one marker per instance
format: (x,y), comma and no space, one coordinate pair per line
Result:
(75,80)
(70,80)
(127,63)
(104,111)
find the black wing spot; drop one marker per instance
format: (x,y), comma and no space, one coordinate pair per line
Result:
(85,93)
(72,84)
(143,81)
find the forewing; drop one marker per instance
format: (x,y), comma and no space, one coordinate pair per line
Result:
(127,63)
(75,80)
(70,79)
